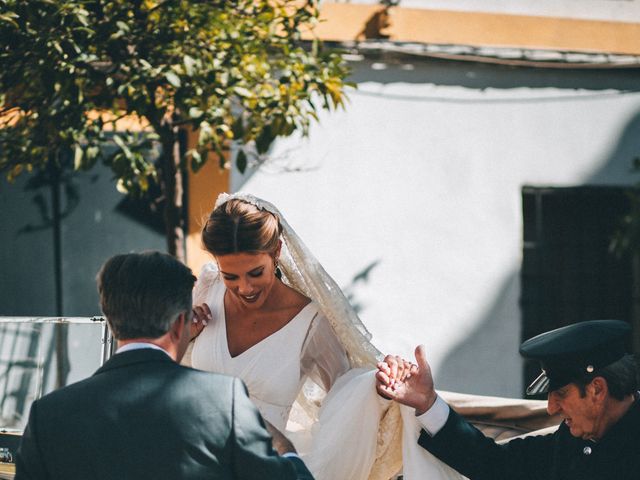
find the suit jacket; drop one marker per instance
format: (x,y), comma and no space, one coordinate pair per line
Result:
(143,416)
(558,456)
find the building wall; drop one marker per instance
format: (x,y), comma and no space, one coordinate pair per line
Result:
(203,189)
(95,225)
(419,183)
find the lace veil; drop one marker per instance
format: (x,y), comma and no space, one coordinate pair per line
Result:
(302,271)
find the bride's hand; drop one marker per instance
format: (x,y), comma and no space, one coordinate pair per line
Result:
(201,316)
(396,369)
(416,388)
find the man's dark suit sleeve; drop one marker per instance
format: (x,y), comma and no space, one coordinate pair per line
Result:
(463,447)
(254,457)
(29,461)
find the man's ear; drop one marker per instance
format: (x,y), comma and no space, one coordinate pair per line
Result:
(178,326)
(599,388)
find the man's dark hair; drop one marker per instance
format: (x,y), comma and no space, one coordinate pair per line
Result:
(622,377)
(142,294)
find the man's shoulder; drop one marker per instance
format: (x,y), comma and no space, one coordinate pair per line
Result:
(186,378)
(61,399)
(208,377)
(110,379)
(171,369)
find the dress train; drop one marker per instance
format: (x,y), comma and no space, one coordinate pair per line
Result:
(347,436)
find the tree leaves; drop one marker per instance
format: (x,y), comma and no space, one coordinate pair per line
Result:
(241,161)
(265,139)
(236,71)
(173,79)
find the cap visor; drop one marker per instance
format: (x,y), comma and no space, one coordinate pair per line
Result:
(539,385)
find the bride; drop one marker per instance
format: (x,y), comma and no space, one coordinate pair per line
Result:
(267,312)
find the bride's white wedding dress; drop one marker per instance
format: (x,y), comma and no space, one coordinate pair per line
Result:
(343,442)
(274,369)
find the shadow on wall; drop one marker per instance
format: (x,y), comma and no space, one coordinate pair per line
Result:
(359,280)
(617,169)
(489,355)
(95,225)
(483,355)
(393,68)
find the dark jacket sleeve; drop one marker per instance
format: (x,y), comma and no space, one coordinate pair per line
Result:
(29,461)
(463,447)
(253,455)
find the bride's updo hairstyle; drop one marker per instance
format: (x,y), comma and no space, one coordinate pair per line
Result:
(237,226)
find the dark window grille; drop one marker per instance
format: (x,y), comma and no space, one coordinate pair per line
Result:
(569,273)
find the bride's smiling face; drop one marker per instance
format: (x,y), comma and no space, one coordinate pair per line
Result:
(248,276)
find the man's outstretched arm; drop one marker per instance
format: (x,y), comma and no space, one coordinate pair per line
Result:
(450,437)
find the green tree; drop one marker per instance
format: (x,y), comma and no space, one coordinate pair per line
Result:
(236,71)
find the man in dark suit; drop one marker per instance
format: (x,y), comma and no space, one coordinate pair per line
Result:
(590,381)
(142,415)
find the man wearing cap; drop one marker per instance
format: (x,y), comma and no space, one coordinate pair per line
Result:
(590,381)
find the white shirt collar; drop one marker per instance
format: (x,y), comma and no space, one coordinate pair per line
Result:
(139,346)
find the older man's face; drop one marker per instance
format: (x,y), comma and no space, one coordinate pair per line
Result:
(581,414)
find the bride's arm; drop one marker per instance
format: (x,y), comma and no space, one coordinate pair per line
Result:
(208,277)
(208,280)
(201,313)
(323,358)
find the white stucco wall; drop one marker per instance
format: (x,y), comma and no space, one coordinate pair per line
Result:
(425,179)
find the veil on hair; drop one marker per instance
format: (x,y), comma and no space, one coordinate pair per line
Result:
(303,272)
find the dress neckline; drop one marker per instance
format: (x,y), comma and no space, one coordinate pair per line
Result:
(223,315)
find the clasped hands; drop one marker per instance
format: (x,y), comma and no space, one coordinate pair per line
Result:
(407,383)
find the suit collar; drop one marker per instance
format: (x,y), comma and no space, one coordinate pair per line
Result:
(132,357)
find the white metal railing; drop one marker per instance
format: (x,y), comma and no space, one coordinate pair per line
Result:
(107,338)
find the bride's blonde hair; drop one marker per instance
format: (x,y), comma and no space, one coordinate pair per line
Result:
(237,226)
